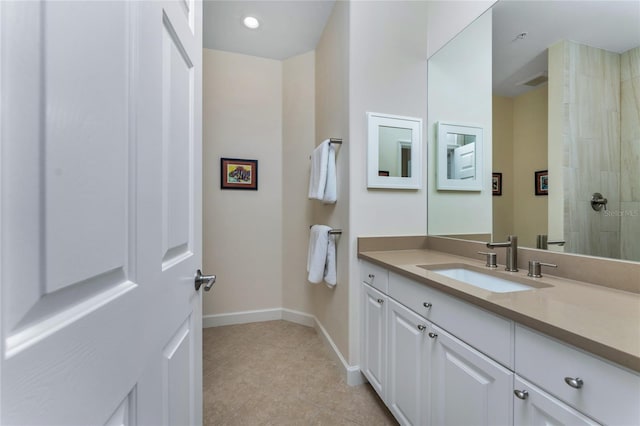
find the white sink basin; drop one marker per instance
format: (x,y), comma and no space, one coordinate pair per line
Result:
(488,281)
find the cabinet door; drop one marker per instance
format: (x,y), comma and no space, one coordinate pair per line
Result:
(408,351)
(374,323)
(536,407)
(467,387)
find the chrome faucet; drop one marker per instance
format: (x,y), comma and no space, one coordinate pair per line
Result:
(512,252)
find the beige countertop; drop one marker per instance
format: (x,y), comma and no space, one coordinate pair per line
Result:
(598,319)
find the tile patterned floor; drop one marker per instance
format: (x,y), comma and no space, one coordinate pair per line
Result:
(280,373)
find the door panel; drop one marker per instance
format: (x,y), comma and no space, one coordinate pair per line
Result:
(374,333)
(178,376)
(407,387)
(177,113)
(462,375)
(541,409)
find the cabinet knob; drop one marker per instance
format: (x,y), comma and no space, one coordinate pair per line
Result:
(381,301)
(427,305)
(371,276)
(433,335)
(575,383)
(422,327)
(522,394)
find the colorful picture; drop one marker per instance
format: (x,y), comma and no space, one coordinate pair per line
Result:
(542,182)
(238,174)
(496,183)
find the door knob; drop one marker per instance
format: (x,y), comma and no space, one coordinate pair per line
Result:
(206,280)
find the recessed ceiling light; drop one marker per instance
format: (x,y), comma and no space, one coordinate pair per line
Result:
(251,22)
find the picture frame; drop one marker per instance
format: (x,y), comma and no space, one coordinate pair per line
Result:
(541,181)
(496,183)
(237,173)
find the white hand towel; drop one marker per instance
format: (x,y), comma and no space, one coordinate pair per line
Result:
(330,275)
(318,179)
(317,255)
(330,190)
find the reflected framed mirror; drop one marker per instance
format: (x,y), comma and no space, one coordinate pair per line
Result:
(459,160)
(394,152)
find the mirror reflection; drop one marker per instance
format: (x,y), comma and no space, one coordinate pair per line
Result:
(566,103)
(461,163)
(394,152)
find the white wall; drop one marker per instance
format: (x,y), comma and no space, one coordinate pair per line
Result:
(460,91)
(387,75)
(445,19)
(242,244)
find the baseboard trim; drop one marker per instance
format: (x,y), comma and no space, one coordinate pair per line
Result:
(350,373)
(241,317)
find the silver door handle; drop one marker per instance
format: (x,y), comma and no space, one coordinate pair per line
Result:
(575,383)
(206,280)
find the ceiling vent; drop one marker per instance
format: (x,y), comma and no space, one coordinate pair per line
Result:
(535,80)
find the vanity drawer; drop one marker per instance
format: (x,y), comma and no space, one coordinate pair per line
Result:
(609,393)
(375,276)
(485,331)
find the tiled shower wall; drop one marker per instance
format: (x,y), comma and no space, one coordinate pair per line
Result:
(600,137)
(591,134)
(630,153)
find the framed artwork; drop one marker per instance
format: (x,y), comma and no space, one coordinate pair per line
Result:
(542,182)
(496,183)
(236,173)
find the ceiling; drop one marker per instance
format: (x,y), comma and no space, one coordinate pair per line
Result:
(287,28)
(610,25)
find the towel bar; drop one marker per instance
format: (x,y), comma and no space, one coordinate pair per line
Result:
(336,141)
(332,231)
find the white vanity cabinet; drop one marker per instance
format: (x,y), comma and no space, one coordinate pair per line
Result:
(597,388)
(408,365)
(437,360)
(467,387)
(374,338)
(533,406)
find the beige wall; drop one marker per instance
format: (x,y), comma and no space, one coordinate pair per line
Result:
(459,93)
(520,149)
(331,305)
(630,154)
(503,163)
(242,244)
(387,74)
(298,136)
(529,156)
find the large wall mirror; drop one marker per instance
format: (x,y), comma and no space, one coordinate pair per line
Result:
(394,152)
(565,101)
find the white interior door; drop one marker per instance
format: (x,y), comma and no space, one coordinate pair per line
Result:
(100,225)
(464,160)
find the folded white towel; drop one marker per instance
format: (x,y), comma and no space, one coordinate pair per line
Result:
(321,259)
(330,272)
(330,190)
(322,182)
(318,179)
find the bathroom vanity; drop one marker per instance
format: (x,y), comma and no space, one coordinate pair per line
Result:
(441,351)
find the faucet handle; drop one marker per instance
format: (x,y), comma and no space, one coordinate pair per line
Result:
(492,261)
(535,268)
